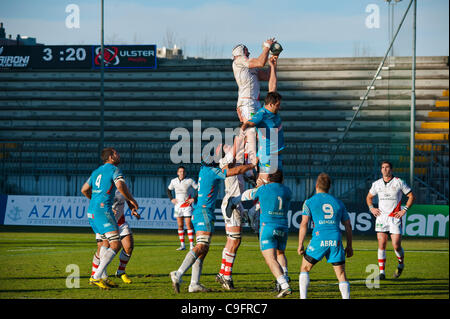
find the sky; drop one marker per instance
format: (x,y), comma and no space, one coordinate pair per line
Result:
(211,28)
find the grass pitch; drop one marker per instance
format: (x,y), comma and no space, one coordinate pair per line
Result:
(34,264)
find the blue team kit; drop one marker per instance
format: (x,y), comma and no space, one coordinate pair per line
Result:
(100,213)
(326,212)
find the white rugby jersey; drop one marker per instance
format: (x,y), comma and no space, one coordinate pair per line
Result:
(246,79)
(389,194)
(234,185)
(118,207)
(182,189)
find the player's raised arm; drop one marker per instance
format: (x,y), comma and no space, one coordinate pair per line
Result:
(261,60)
(273,74)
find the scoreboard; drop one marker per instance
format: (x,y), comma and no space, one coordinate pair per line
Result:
(61,57)
(55,57)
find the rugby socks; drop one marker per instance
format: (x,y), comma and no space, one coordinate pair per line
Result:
(229,261)
(283,282)
(285,270)
(105,260)
(181,236)
(222,266)
(190,233)
(196,271)
(123,261)
(381,260)
(344,287)
(188,261)
(95,263)
(303,281)
(103,250)
(400,256)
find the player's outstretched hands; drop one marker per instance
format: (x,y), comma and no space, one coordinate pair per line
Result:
(174,201)
(268,43)
(375,211)
(273,60)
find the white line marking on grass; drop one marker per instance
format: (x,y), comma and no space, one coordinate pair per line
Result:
(31,248)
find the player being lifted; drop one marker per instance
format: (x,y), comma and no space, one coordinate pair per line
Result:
(126,239)
(274,199)
(269,129)
(100,189)
(234,186)
(203,218)
(183,204)
(326,213)
(389,213)
(247,74)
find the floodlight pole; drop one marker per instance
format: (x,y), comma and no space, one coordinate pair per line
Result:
(102,95)
(413,99)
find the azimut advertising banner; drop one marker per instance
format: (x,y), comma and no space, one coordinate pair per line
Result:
(157,213)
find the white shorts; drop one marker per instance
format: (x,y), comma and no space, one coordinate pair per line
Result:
(236,218)
(124,230)
(182,211)
(386,224)
(248,107)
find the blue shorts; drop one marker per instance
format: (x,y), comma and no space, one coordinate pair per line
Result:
(269,164)
(331,248)
(103,221)
(273,236)
(203,219)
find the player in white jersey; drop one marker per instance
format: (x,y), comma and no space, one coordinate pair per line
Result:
(234,186)
(183,204)
(247,74)
(390,190)
(126,239)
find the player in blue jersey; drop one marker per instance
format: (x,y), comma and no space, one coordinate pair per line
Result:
(100,189)
(270,136)
(203,218)
(274,199)
(326,212)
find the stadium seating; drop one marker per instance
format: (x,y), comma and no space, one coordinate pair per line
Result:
(50,120)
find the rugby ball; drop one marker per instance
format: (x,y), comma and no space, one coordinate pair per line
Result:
(276,48)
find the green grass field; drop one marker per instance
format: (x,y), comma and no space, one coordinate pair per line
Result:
(33,265)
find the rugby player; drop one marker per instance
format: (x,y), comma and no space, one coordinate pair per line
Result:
(326,212)
(247,73)
(100,189)
(274,199)
(390,190)
(203,219)
(234,186)
(126,239)
(183,205)
(269,129)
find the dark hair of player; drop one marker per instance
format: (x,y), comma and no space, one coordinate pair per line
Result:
(276,177)
(106,153)
(272,98)
(324,182)
(181,167)
(386,162)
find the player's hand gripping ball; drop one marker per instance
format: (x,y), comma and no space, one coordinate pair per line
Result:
(276,48)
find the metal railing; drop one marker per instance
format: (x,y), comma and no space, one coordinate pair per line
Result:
(60,168)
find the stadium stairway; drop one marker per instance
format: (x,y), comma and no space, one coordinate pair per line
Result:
(52,114)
